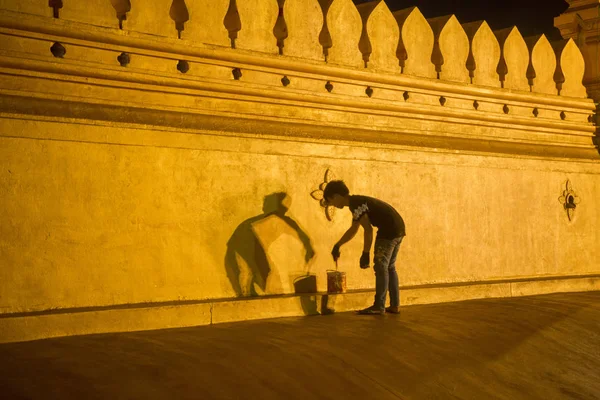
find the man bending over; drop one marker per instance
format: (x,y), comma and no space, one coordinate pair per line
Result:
(368,212)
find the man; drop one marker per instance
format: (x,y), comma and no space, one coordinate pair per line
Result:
(368,212)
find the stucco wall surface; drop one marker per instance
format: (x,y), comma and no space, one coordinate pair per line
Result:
(141,215)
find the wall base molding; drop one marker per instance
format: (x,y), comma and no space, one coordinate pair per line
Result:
(36,325)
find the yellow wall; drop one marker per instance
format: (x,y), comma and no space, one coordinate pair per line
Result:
(117,219)
(142,195)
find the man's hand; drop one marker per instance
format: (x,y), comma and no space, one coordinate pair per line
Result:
(365,259)
(336,252)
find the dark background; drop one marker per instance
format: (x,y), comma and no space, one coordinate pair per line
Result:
(532,17)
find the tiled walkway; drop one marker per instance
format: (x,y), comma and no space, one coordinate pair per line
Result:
(545,347)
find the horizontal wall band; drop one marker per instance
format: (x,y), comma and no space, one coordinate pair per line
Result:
(18,327)
(18,105)
(212,301)
(71,72)
(69,32)
(107,133)
(540,137)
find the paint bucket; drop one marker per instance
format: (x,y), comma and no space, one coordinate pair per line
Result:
(336,282)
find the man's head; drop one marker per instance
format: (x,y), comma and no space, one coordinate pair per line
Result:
(336,193)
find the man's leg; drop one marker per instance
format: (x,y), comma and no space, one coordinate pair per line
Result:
(393,284)
(384,249)
(383,253)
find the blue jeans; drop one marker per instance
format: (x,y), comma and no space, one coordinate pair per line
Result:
(386,277)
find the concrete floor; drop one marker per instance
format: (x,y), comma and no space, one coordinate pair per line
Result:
(545,347)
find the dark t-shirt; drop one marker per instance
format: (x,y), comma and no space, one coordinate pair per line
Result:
(389,223)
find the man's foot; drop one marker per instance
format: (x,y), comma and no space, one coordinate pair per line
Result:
(393,310)
(371,311)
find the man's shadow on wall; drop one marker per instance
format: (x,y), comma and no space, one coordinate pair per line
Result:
(246,260)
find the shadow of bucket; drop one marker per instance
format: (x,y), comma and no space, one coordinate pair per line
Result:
(336,282)
(307,285)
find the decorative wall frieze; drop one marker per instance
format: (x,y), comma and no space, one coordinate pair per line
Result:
(224,117)
(450,38)
(514,59)
(484,54)
(333,31)
(35,28)
(303,74)
(380,37)
(542,65)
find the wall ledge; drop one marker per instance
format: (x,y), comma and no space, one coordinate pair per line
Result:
(371,106)
(69,32)
(543,143)
(26,326)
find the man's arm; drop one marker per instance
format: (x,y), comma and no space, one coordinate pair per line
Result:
(350,233)
(366,224)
